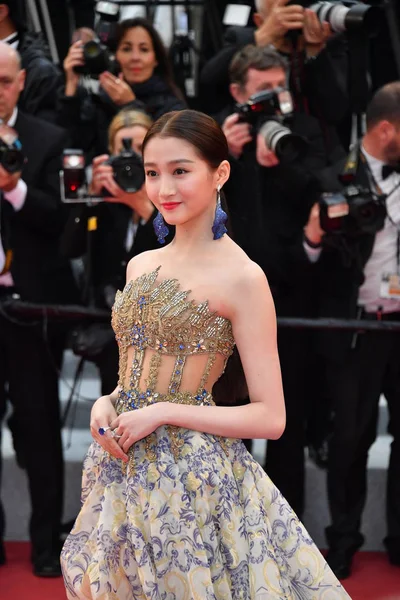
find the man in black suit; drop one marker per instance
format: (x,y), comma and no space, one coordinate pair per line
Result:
(360,279)
(30,353)
(271,207)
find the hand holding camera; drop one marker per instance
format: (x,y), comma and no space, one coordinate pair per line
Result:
(118,90)
(313,230)
(316,33)
(237,134)
(265,157)
(279,20)
(73,60)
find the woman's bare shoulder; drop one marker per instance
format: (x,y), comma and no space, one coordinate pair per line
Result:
(142,263)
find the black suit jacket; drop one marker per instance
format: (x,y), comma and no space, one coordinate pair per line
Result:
(40,273)
(268,209)
(341,273)
(106,245)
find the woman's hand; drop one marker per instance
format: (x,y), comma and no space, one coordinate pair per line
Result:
(73,59)
(135,425)
(103,413)
(118,90)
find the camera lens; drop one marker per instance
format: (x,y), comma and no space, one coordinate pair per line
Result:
(286,145)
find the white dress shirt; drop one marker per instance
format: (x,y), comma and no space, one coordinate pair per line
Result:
(384,254)
(16,198)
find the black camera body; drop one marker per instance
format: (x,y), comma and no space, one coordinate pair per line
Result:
(357,208)
(354,211)
(270,112)
(127,168)
(12,158)
(97,53)
(97,59)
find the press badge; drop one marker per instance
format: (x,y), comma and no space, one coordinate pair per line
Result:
(390,286)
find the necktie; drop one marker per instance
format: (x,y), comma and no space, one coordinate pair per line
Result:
(387,170)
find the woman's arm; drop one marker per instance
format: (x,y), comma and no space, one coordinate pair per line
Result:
(254,328)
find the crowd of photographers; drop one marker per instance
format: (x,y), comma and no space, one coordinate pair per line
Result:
(322,223)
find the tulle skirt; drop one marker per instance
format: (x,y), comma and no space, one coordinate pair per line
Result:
(207,524)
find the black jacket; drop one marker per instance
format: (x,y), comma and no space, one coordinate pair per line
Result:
(323,80)
(268,209)
(341,274)
(43,78)
(87,116)
(106,245)
(39,272)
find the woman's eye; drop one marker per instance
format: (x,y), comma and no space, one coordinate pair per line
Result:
(151,173)
(145,49)
(180,171)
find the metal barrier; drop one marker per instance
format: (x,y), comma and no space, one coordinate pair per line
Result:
(15,308)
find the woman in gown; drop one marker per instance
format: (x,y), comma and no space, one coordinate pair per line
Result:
(173,505)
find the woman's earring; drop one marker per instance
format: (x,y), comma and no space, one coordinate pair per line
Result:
(160,228)
(220,218)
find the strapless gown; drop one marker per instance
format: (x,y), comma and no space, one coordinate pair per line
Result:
(192,516)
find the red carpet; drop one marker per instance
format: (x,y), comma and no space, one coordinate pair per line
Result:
(373,578)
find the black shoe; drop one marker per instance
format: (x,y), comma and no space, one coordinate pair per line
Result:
(340,563)
(47,566)
(3,559)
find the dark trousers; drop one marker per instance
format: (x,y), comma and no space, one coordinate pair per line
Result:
(356,383)
(29,380)
(285,456)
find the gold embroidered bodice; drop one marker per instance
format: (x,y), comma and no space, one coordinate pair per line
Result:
(171,349)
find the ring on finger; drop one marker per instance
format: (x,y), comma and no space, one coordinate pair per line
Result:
(114,435)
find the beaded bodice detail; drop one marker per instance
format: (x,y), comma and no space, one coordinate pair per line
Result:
(162,319)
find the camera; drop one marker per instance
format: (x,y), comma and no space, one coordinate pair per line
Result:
(97,53)
(270,113)
(128,168)
(354,211)
(97,59)
(12,158)
(346,15)
(356,208)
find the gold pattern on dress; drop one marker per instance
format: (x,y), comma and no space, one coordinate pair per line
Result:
(161,318)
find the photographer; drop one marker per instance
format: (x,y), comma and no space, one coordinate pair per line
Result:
(124,229)
(360,265)
(141,80)
(318,62)
(280,197)
(31,221)
(43,78)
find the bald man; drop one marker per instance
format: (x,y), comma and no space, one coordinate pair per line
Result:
(31,220)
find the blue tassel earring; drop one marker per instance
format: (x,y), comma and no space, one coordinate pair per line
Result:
(220,218)
(160,228)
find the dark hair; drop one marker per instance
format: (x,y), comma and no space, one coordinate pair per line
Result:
(196,128)
(207,137)
(163,68)
(254,57)
(385,105)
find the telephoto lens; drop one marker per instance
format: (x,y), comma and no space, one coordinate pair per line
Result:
(349,16)
(287,145)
